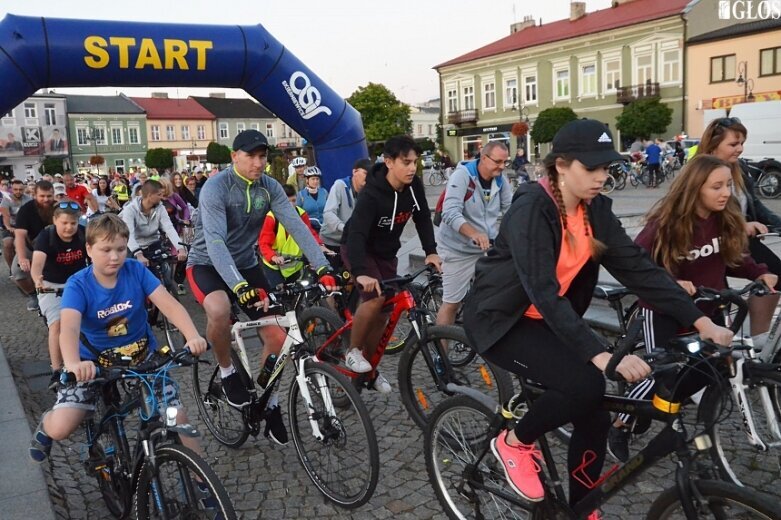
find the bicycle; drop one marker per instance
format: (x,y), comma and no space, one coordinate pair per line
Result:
(437,175)
(324,437)
(422,382)
(469,482)
(143,472)
(160,260)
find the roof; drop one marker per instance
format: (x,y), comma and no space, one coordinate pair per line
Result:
(740,29)
(172,108)
(234,108)
(622,15)
(101,105)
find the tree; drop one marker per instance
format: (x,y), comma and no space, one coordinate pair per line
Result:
(217,153)
(383,114)
(159,158)
(644,117)
(426,144)
(549,122)
(51,165)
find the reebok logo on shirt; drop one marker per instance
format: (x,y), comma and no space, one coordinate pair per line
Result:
(706,250)
(117,307)
(604,138)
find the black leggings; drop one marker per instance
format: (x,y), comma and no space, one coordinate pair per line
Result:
(574,394)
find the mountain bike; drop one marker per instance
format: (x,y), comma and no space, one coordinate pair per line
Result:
(337,447)
(166,479)
(431,361)
(161,264)
(470,483)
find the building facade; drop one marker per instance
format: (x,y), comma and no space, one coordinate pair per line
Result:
(595,63)
(112,127)
(33,131)
(424,122)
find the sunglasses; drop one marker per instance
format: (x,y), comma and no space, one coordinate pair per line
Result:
(728,121)
(69,205)
(506,163)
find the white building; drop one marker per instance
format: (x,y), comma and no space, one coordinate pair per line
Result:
(424,122)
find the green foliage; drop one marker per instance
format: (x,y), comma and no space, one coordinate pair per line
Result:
(159,158)
(549,122)
(643,118)
(383,114)
(51,165)
(279,168)
(217,153)
(426,144)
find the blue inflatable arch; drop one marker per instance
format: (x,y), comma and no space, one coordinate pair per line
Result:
(49,52)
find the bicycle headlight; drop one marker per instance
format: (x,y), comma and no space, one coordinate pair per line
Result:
(170,416)
(693,347)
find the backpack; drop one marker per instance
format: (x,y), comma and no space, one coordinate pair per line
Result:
(470,190)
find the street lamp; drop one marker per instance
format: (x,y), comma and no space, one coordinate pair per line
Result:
(748,84)
(522,129)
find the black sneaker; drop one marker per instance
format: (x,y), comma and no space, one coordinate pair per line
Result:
(275,426)
(618,443)
(235,392)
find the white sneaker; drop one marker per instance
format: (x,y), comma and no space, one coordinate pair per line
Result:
(381,384)
(356,362)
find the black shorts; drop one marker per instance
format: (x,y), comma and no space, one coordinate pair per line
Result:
(204,279)
(378,268)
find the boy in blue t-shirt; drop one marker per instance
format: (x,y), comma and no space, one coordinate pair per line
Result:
(106,302)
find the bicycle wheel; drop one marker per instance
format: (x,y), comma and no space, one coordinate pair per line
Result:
(457,434)
(344,464)
(107,467)
(225,422)
(719,500)
(620,180)
(173,337)
(610,185)
(417,384)
(769,184)
(184,484)
(634,179)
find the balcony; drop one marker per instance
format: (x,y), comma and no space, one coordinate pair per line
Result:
(626,95)
(462,116)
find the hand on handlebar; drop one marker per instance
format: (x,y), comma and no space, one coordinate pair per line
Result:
(250,297)
(369,284)
(83,370)
(687,286)
(197,345)
(632,368)
(712,332)
(770,280)
(482,241)
(141,258)
(181,254)
(754,228)
(435,261)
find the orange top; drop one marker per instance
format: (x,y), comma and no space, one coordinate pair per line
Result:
(571,261)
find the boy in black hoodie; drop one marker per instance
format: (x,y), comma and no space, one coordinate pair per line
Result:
(393,194)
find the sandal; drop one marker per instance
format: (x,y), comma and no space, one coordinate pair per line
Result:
(40,444)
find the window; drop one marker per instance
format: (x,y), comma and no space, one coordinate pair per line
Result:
(489,96)
(612,70)
(82,135)
(49,114)
(284,130)
(170,133)
(119,165)
(255,126)
(510,92)
(469,97)
(420,129)
(201,131)
(722,68)
(562,84)
(671,66)
(588,80)
(155,132)
(224,131)
(240,127)
(269,129)
(30,112)
(185,132)
(132,135)
(9,115)
(530,88)
(116,135)
(770,61)
(430,129)
(452,100)
(644,69)
(99,134)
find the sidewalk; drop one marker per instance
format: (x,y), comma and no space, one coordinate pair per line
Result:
(23,490)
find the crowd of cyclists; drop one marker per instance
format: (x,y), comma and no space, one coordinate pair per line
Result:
(522,265)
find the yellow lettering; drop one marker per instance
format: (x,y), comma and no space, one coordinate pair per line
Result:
(148,55)
(96,46)
(201,46)
(123,45)
(175,50)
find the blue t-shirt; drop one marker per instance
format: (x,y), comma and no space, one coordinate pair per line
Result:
(112,317)
(653,153)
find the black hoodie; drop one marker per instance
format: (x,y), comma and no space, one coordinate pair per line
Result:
(379,218)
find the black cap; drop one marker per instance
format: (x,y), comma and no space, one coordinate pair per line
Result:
(362,164)
(587,140)
(249,140)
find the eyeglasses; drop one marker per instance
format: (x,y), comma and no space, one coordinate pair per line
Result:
(499,162)
(69,205)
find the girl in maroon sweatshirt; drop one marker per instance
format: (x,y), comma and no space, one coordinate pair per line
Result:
(697,233)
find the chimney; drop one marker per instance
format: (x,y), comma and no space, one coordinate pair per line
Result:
(576,10)
(160,95)
(616,3)
(528,21)
(220,95)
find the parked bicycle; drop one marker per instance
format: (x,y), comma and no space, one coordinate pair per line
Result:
(437,175)
(766,175)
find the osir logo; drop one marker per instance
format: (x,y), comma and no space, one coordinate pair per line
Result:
(305,97)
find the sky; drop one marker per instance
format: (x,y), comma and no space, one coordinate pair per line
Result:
(348,43)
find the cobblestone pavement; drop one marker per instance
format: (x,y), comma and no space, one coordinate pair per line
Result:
(267,481)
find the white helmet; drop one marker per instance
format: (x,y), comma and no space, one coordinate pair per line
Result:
(297,162)
(313,171)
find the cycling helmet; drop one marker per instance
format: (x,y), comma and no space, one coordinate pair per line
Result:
(313,171)
(297,162)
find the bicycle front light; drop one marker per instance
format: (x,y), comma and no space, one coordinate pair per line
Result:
(170,416)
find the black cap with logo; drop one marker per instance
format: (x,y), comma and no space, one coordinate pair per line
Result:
(249,140)
(587,140)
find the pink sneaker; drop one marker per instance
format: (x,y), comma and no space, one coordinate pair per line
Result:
(520,467)
(595,515)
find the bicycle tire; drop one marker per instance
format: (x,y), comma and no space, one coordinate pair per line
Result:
(187,461)
(609,185)
(225,422)
(769,184)
(456,434)
(116,491)
(334,425)
(634,180)
(620,180)
(721,499)
(173,337)
(417,384)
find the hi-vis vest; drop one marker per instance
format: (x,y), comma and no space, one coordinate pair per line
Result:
(122,192)
(285,245)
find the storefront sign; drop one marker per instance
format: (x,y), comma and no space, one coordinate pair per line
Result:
(728,101)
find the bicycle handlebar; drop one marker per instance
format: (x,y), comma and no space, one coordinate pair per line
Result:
(108,374)
(49,290)
(734,296)
(408,279)
(624,347)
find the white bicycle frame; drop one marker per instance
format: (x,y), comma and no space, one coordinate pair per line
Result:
(290,322)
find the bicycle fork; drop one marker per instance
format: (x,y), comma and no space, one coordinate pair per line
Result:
(737,382)
(301,381)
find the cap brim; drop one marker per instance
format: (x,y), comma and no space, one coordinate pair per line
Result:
(248,149)
(598,157)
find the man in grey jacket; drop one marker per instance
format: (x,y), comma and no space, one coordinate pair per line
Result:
(476,195)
